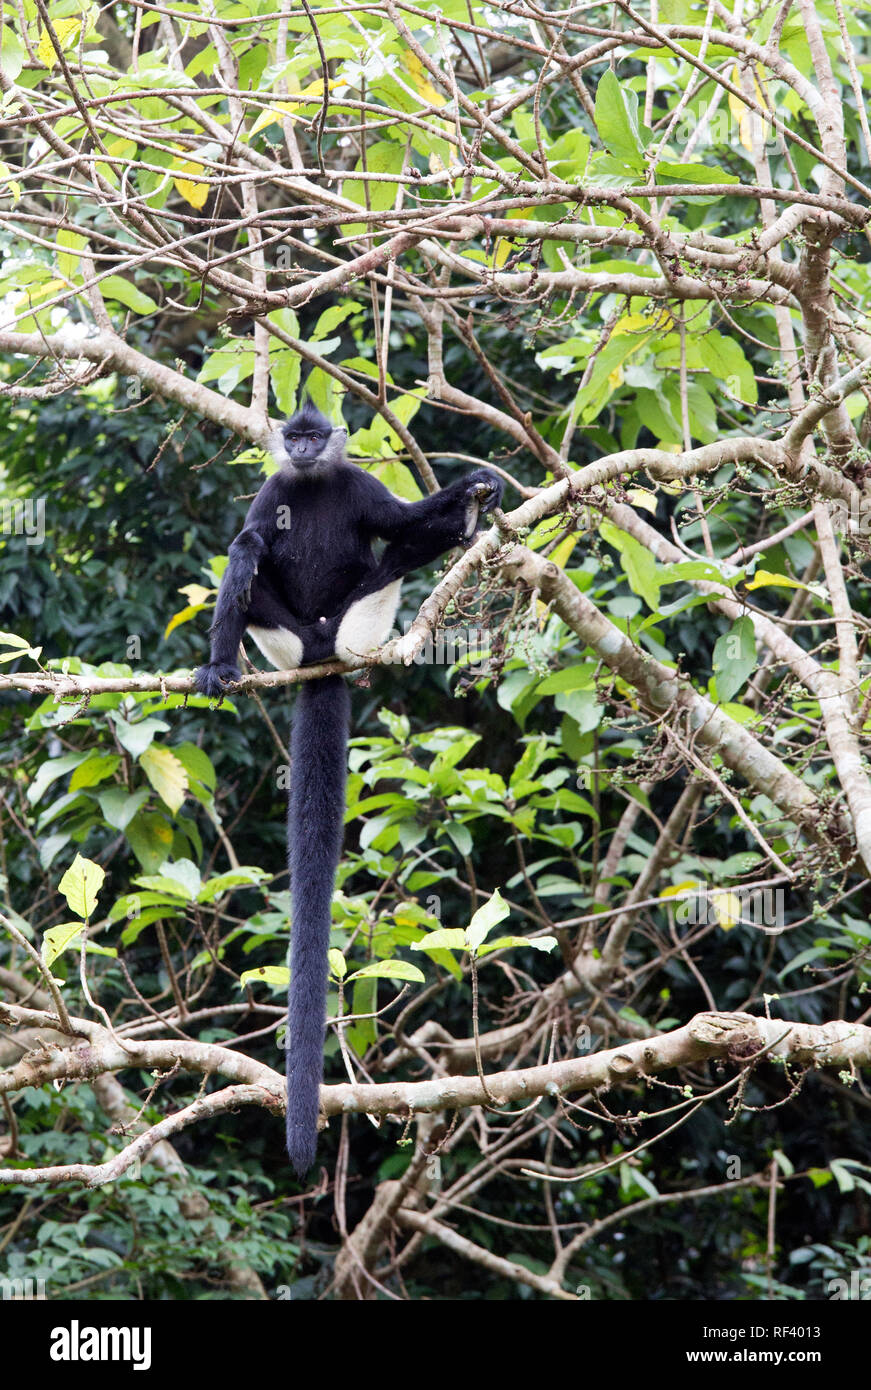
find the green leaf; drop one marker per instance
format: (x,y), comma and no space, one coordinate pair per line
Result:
(693,173)
(384,157)
(70,245)
(150,838)
(181,878)
(460,836)
(463,744)
(116,287)
(49,771)
(364,1032)
(734,658)
(13,54)
(638,564)
(80,885)
(767,579)
(137,737)
(338,965)
(446,938)
(724,358)
(396,477)
(120,806)
(842,1175)
(284,373)
(197,763)
(538,943)
(485,919)
(389,970)
(617,120)
(331,318)
(244,876)
(96,768)
(583,707)
(569,678)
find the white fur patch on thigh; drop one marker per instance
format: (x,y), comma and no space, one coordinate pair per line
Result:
(368,622)
(281,647)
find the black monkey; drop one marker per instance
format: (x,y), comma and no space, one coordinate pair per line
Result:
(303,580)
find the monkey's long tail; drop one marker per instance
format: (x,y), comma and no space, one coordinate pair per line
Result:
(316,807)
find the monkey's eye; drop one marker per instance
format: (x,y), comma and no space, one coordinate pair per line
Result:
(292,438)
(317,437)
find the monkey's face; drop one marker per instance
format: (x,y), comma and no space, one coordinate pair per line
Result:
(312,449)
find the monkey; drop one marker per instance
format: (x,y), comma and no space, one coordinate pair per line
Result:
(303,580)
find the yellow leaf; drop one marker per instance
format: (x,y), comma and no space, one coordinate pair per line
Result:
(193,193)
(196,593)
(80,885)
(56,940)
(561,554)
(35,296)
(744,116)
(419,76)
(615,378)
(67,31)
(640,497)
(277,975)
(6,177)
(183,616)
(634,323)
(765,579)
(314,92)
(689,885)
(273,114)
(166,775)
(727,908)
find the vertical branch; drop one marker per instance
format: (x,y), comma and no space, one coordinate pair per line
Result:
(845,629)
(230,74)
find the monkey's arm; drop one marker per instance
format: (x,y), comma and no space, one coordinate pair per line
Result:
(234,595)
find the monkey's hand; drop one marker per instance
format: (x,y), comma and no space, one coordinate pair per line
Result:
(483,493)
(213,679)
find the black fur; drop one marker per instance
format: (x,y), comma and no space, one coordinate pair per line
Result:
(315,814)
(302,559)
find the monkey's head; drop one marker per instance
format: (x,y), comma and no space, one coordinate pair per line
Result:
(308,443)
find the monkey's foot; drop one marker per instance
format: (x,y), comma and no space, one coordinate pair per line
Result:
(482,495)
(213,679)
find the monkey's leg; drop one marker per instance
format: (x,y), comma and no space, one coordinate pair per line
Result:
(422,531)
(282,637)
